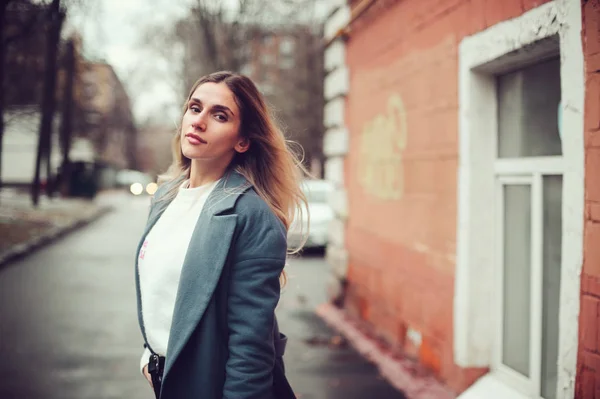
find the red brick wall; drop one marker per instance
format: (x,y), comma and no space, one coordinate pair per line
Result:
(402,241)
(588,376)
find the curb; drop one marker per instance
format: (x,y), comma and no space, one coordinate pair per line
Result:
(22,250)
(398,372)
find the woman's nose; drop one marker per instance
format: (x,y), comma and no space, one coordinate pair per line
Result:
(199,122)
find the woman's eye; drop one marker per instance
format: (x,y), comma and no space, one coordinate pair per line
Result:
(221,117)
(195,108)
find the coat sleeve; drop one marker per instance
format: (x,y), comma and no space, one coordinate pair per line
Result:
(254,291)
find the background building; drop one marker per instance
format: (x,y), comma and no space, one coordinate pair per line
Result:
(20,144)
(109,120)
(283,56)
(286,62)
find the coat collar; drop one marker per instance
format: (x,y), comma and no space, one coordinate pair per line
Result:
(222,198)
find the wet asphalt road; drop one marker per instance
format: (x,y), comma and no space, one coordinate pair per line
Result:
(68,321)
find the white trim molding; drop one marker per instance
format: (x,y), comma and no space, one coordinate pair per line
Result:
(337,20)
(338,199)
(337,233)
(338,259)
(573,94)
(332,6)
(549,30)
(334,170)
(336,83)
(336,144)
(335,56)
(334,112)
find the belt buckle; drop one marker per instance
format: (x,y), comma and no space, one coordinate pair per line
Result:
(154,364)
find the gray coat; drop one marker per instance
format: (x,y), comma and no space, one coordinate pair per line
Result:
(223,342)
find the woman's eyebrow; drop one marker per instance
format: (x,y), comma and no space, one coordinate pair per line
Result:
(217,107)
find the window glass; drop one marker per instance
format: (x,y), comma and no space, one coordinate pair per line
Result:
(517,278)
(552,254)
(286,46)
(528,102)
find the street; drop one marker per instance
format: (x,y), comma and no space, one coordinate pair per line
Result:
(68,322)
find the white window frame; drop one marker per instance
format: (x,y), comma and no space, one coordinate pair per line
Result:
(552,165)
(532,385)
(481,57)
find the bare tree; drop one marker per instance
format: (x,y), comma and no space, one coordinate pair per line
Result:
(244,36)
(215,36)
(30,33)
(55,18)
(251,35)
(23,18)
(3,6)
(66,128)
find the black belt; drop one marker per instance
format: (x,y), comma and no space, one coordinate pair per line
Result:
(156,363)
(156,367)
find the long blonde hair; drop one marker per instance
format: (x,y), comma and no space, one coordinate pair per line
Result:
(270,164)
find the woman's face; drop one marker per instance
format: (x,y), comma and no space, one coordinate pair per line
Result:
(210,129)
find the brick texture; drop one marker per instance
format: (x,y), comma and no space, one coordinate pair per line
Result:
(591,18)
(589,319)
(592,168)
(588,376)
(592,104)
(588,371)
(529,4)
(591,251)
(593,211)
(590,285)
(498,11)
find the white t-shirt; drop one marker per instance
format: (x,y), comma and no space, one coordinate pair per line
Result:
(160,261)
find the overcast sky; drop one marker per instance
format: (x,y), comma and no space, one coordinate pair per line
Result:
(113,31)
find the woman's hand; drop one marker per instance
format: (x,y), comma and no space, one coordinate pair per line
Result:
(147,375)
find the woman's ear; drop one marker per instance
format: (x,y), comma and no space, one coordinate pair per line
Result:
(242,146)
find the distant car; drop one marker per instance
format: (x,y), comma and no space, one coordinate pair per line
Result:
(317,194)
(136,182)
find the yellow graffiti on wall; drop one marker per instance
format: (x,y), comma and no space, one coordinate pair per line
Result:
(382,142)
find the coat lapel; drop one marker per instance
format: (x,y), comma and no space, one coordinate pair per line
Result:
(204,261)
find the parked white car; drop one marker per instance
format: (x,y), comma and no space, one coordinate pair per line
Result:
(317,194)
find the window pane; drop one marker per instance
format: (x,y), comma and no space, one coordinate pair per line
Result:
(528,111)
(286,46)
(517,277)
(551,288)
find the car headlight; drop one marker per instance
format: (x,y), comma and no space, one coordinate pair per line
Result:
(136,188)
(151,188)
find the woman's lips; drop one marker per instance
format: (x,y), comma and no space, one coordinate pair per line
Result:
(195,139)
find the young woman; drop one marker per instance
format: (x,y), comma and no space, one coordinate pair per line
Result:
(210,262)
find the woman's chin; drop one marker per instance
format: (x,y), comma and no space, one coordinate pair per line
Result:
(191,153)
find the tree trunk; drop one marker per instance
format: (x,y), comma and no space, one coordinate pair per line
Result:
(66,128)
(55,20)
(2,54)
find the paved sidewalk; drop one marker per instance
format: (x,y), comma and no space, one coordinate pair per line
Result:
(320,363)
(24,228)
(402,372)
